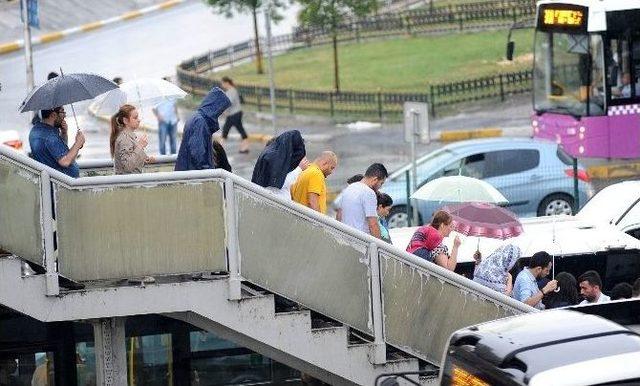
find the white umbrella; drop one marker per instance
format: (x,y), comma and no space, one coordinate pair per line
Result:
(459,189)
(144,92)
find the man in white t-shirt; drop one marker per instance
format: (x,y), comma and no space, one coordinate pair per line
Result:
(359,201)
(591,288)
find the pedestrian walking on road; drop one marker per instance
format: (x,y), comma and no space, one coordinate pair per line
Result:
(359,201)
(167,114)
(280,157)
(127,149)
(310,188)
(493,271)
(234,114)
(427,243)
(196,148)
(49,148)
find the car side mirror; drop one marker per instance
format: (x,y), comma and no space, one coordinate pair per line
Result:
(511,46)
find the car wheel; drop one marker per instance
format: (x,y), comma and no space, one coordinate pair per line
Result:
(557,203)
(398,217)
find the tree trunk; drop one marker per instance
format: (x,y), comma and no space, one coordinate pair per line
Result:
(336,76)
(256,40)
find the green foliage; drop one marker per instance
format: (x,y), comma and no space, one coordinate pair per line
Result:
(229,7)
(331,13)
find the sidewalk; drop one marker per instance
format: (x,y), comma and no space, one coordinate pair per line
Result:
(65,18)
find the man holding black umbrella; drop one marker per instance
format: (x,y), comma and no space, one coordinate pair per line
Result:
(48,147)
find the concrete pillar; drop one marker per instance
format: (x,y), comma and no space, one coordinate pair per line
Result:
(111,352)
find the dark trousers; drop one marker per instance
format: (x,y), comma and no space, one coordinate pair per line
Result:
(234,120)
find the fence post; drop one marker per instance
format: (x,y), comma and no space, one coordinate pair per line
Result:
(230,55)
(515,14)
(460,21)
(576,191)
(501,88)
(259,97)
(233,256)
(290,92)
(379,346)
(407,176)
(432,101)
(380,105)
(51,275)
(331,107)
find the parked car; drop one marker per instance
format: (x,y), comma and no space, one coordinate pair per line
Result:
(535,176)
(11,138)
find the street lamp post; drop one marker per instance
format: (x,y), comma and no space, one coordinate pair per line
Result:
(27,45)
(272,91)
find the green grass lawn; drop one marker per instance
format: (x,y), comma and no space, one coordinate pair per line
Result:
(399,64)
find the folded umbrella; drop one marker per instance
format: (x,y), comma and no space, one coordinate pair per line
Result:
(484,220)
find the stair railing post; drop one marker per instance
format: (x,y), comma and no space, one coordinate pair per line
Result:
(48,226)
(233,253)
(379,354)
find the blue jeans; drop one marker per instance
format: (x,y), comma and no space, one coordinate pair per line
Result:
(167,129)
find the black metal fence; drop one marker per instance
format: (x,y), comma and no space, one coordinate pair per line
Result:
(194,74)
(376,104)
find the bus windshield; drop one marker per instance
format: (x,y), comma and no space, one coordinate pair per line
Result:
(568,74)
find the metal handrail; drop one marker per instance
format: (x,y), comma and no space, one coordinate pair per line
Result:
(193,176)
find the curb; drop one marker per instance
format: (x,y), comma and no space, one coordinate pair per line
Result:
(58,35)
(461,135)
(606,172)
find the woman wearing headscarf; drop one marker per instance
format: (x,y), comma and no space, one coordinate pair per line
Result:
(493,271)
(280,157)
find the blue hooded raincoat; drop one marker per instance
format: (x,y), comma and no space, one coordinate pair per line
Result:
(196,149)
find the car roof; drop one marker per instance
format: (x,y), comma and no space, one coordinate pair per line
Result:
(533,343)
(611,203)
(497,143)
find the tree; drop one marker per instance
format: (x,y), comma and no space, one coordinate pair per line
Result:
(332,14)
(227,7)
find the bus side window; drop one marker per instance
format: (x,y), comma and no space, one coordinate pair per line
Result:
(620,69)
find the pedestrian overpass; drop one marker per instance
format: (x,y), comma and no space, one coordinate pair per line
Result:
(223,250)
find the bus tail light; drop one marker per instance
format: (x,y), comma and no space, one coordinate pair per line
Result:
(582,175)
(461,377)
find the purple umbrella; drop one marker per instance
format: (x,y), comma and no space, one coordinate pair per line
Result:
(484,220)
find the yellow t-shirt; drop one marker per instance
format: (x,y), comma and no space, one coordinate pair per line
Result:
(311,180)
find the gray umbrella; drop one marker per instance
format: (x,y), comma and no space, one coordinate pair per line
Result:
(66,89)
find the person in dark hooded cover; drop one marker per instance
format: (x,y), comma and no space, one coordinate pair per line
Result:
(220,159)
(196,149)
(278,158)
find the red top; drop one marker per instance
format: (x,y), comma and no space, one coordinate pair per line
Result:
(426,237)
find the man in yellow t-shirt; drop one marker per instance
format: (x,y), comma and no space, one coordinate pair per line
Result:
(310,188)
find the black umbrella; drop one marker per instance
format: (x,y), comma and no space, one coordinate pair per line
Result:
(66,89)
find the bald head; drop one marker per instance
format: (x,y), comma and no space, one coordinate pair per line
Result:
(327,162)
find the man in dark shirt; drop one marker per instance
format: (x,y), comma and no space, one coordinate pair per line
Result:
(48,147)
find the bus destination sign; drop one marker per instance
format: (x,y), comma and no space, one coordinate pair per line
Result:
(563,17)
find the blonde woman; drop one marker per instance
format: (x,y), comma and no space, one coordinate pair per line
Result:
(126,149)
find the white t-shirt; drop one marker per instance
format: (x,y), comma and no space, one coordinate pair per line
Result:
(358,202)
(285,191)
(603,298)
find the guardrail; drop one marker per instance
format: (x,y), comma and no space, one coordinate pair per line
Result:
(108,227)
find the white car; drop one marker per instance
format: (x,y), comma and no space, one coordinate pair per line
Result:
(11,138)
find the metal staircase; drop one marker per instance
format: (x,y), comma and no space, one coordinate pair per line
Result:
(104,229)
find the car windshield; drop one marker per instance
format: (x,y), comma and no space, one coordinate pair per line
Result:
(425,163)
